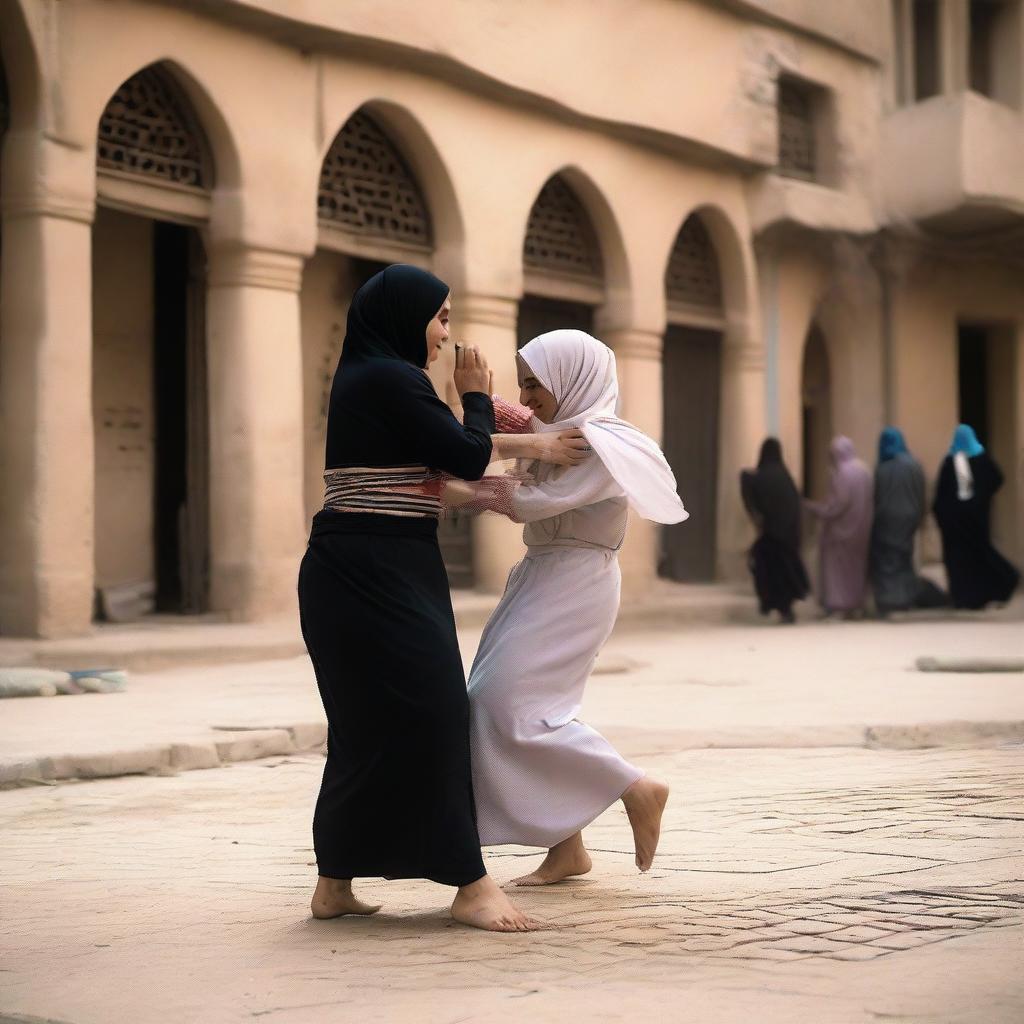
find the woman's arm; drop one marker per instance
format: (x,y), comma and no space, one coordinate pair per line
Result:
(568,448)
(515,438)
(435,436)
(526,502)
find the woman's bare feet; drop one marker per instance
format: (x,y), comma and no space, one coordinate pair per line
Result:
(334,897)
(483,905)
(564,860)
(645,802)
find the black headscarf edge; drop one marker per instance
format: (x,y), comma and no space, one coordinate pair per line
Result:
(388,316)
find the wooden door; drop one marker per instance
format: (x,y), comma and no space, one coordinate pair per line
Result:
(691,372)
(538,315)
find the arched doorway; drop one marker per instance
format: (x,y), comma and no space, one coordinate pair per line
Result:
(155,175)
(371,212)
(563,271)
(816,414)
(691,384)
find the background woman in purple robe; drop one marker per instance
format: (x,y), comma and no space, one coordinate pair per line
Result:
(845,516)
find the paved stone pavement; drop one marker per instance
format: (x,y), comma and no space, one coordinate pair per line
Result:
(826,886)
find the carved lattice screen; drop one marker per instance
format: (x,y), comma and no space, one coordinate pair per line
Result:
(148,130)
(692,276)
(366,186)
(559,235)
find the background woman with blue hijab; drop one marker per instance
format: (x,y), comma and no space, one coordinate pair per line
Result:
(899,511)
(968,480)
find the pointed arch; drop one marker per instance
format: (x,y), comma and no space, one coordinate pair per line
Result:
(149,130)
(693,278)
(367,187)
(560,237)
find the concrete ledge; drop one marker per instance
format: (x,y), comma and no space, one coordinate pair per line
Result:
(240,744)
(246,744)
(943,734)
(928,664)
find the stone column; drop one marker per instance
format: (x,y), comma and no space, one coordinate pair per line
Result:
(638,359)
(257,523)
(46,427)
(489,321)
(741,430)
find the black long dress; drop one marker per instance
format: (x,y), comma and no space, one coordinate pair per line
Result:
(773,502)
(978,574)
(396,798)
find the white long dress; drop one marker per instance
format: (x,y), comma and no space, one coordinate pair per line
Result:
(539,774)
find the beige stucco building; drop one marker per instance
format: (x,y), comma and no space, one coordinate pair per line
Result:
(785,216)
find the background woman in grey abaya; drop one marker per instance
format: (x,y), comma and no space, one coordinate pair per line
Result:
(899,511)
(845,531)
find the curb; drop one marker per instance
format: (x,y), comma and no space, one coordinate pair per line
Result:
(234,744)
(238,743)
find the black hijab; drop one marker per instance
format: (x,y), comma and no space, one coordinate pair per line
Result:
(771,453)
(389,315)
(771,495)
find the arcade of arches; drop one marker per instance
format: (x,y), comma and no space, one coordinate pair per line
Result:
(172,322)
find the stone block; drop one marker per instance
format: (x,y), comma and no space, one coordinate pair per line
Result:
(106,765)
(254,743)
(186,757)
(308,735)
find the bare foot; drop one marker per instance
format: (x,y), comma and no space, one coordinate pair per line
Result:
(645,802)
(334,897)
(483,905)
(564,860)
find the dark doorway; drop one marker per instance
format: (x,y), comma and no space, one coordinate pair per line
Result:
(537,315)
(691,375)
(181,505)
(973,359)
(815,414)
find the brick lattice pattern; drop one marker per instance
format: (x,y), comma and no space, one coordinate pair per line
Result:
(559,235)
(366,186)
(692,275)
(148,130)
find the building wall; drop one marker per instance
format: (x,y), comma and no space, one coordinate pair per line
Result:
(123,397)
(933,297)
(485,109)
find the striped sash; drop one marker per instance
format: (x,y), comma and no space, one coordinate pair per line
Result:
(388,491)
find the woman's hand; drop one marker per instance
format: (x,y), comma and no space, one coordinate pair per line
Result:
(471,372)
(569,448)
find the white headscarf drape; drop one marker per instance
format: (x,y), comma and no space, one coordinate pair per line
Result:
(580,372)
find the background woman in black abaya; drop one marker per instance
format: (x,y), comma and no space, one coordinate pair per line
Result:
(773,503)
(968,480)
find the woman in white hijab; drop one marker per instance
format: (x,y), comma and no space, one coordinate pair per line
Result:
(539,774)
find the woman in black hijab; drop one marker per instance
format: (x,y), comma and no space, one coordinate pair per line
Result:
(773,504)
(397,796)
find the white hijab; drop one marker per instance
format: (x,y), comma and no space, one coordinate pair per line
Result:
(580,372)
